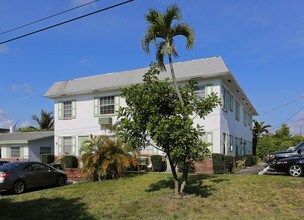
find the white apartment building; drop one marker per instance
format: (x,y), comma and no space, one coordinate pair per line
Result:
(84,106)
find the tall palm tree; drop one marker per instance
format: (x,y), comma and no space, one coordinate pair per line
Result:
(258,130)
(161,32)
(46,120)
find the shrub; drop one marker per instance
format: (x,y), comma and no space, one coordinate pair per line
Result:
(69,161)
(159,165)
(240,164)
(218,163)
(47,158)
(229,162)
(256,159)
(248,158)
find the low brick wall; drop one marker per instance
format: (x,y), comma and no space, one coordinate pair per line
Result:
(204,167)
(75,174)
(14,160)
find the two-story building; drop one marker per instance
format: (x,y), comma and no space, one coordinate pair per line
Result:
(84,106)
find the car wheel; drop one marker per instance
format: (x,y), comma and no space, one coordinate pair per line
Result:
(295,170)
(60,181)
(18,187)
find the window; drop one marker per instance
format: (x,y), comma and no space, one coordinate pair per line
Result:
(67,110)
(237,110)
(237,146)
(15,152)
(201,92)
(107,105)
(226,99)
(67,145)
(40,167)
(45,150)
(231,100)
(231,144)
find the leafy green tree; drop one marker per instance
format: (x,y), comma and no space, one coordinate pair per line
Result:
(104,158)
(45,121)
(154,117)
(27,129)
(283,132)
(258,130)
(161,31)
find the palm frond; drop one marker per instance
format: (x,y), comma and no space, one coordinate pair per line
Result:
(186,31)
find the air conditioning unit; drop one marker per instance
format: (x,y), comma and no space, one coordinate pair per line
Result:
(105,121)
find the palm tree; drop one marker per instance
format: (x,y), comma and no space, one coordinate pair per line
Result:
(161,32)
(46,120)
(258,130)
(104,158)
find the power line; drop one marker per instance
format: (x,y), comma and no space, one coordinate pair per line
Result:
(287,119)
(67,21)
(48,17)
(283,105)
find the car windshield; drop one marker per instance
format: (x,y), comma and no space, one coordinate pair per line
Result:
(294,148)
(9,166)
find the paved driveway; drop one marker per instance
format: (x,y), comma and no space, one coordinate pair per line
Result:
(251,170)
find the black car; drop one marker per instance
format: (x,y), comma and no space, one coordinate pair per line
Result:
(294,166)
(296,151)
(2,162)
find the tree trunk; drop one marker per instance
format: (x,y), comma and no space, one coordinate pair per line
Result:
(174,81)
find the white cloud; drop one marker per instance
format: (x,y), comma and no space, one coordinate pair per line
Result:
(4,48)
(25,87)
(14,87)
(86,62)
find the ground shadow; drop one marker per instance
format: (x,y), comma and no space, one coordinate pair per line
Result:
(44,208)
(194,186)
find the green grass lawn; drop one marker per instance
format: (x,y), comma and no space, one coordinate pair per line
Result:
(150,196)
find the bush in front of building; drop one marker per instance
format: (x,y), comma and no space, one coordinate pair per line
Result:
(69,161)
(218,163)
(229,163)
(248,158)
(158,164)
(47,158)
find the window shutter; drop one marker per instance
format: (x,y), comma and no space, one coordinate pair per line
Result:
(210,140)
(74,109)
(96,106)
(209,89)
(8,152)
(116,103)
(60,110)
(60,146)
(22,152)
(74,146)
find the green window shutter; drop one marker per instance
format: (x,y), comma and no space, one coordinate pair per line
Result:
(74,109)
(60,110)
(96,107)
(21,152)
(81,140)
(116,103)
(74,146)
(8,152)
(208,89)
(210,140)
(60,146)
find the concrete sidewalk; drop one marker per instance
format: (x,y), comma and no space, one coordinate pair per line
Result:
(251,170)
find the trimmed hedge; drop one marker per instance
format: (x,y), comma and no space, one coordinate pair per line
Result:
(218,163)
(158,164)
(69,161)
(47,158)
(229,162)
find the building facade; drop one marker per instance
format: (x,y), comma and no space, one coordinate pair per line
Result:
(86,106)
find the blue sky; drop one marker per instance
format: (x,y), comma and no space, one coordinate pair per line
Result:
(262,42)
